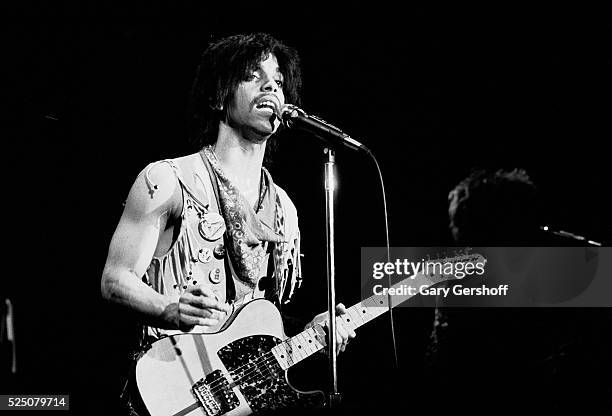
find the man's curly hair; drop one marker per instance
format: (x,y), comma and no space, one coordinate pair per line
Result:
(224,65)
(493,207)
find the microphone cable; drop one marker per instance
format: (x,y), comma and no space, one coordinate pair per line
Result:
(388,247)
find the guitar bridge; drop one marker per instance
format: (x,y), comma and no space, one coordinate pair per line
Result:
(215,394)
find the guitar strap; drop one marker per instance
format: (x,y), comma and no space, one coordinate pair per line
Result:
(214,190)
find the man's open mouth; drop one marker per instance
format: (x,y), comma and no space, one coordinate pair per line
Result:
(266,104)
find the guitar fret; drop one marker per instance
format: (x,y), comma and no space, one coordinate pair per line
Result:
(357,318)
(280,357)
(287,352)
(368,303)
(348,320)
(285,355)
(290,356)
(315,335)
(369,306)
(306,346)
(294,351)
(362,312)
(313,343)
(318,344)
(296,348)
(376,302)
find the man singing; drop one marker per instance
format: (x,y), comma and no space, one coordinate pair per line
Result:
(203,234)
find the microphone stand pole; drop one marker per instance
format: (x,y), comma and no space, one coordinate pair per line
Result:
(330,185)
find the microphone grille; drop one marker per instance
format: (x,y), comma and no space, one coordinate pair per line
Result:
(289,111)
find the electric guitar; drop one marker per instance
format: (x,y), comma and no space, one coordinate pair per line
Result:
(243,368)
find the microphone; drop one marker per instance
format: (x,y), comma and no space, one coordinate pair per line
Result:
(293,116)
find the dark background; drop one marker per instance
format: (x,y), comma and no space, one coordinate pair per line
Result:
(95,92)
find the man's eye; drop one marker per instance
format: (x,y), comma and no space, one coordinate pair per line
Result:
(279,83)
(253,76)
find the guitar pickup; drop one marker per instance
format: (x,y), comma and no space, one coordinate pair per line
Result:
(215,394)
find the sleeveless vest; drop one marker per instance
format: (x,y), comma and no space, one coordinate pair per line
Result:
(198,254)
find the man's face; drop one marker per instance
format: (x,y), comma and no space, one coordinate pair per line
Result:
(257,100)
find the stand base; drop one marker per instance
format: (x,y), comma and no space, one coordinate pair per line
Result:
(334,399)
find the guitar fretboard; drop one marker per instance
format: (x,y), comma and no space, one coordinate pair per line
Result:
(306,343)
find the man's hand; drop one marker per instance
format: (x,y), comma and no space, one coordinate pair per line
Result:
(343,334)
(199,305)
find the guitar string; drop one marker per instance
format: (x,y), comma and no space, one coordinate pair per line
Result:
(251,373)
(238,369)
(256,366)
(253,376)
(215,388)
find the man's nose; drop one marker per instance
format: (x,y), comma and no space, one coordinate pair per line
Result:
(269,84)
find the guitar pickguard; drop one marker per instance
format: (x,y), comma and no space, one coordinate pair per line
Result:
(260,378)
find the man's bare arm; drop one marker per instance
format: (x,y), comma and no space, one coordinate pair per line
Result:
(132,248)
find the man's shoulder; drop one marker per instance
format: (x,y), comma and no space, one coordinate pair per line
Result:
(176,168)
(158,175)
(155,189)
(162,177)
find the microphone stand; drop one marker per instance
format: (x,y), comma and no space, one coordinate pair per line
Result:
(330,185)
(295,116)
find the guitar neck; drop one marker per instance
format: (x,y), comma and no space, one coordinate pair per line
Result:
(306,343)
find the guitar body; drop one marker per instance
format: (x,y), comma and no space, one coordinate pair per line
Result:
(227,372)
